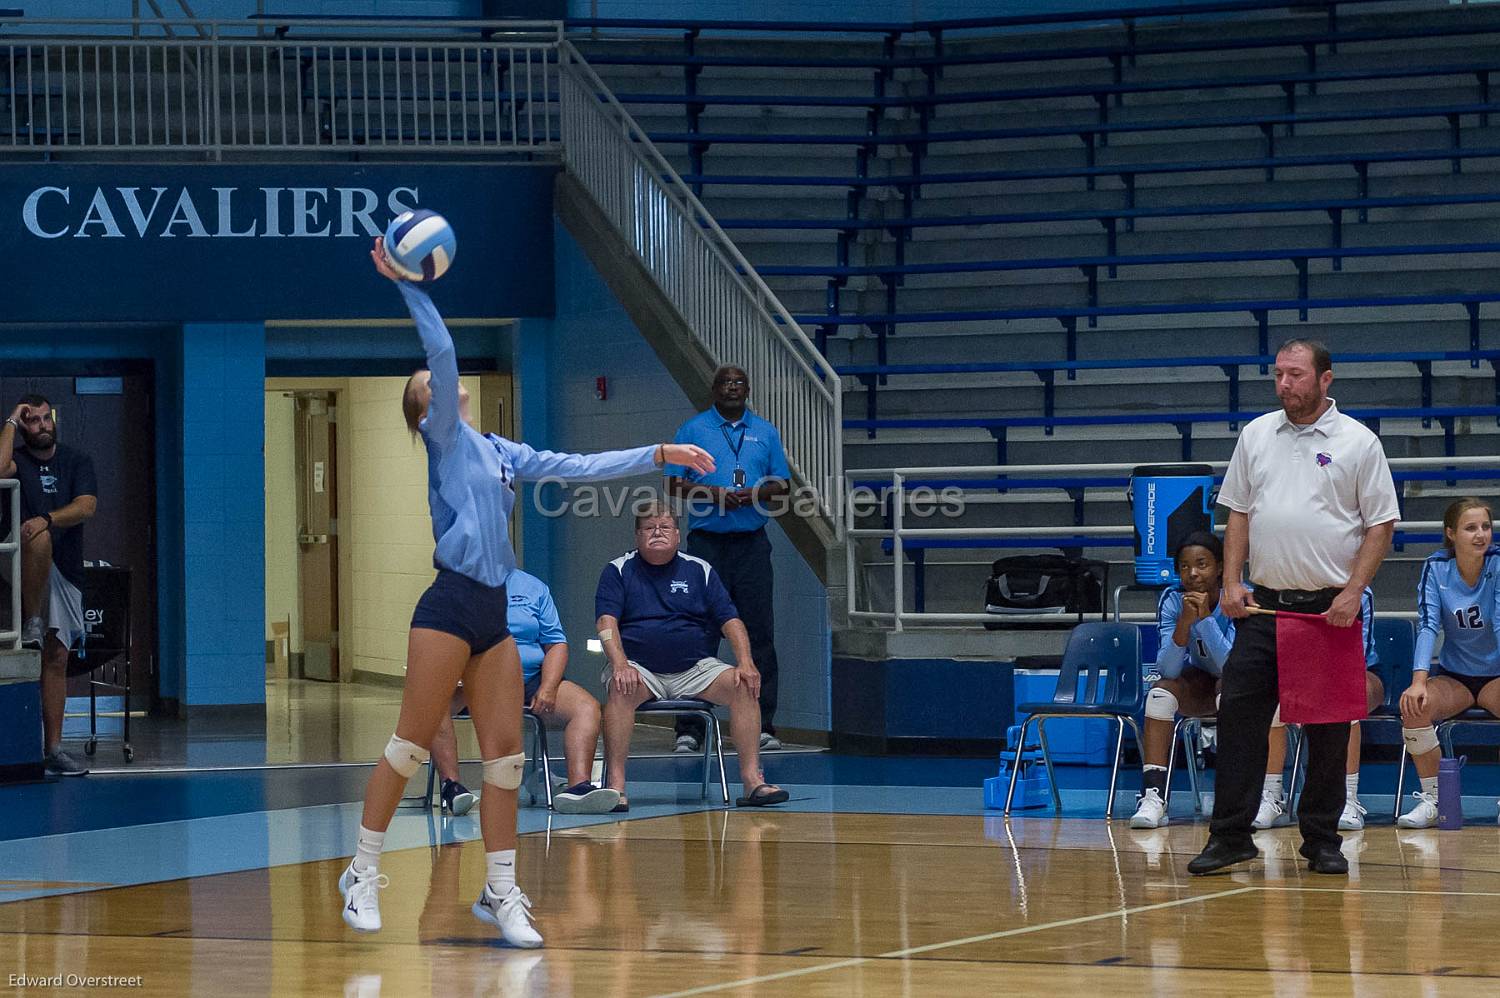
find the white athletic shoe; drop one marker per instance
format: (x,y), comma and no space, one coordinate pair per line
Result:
(510,914)
(1150,812)
(686,743)
(361,898)
(1353,818)
(1423,815)
(1272,812)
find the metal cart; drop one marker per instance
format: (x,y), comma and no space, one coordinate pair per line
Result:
(104,652)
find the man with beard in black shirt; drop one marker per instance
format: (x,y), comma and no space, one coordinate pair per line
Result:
(58,493)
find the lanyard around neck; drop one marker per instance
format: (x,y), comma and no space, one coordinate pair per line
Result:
(734,447)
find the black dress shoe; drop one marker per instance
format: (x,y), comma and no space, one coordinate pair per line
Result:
(1325,859)
(1219,854)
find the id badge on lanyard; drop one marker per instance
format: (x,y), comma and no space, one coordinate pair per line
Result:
(735,448)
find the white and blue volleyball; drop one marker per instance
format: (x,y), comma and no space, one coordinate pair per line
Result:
(420,245)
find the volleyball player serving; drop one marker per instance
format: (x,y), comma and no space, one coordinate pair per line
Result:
(459,628)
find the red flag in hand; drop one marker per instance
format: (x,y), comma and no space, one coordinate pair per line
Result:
(1320,668)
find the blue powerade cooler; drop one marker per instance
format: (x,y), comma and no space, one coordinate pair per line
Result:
(1169,502)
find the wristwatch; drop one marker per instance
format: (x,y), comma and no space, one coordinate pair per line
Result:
(48,518)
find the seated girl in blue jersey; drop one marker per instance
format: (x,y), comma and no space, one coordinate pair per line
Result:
(543,647)
(1195,638)
(459,629)
(1459,596)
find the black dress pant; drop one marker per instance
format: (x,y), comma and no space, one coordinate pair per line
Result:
(743,561)
(1249,699)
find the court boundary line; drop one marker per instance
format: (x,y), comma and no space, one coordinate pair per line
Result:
(948,944)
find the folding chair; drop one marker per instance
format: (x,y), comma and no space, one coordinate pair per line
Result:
(713,737)
(1106,657)
(539,759)
(1188,730)
(1395,643)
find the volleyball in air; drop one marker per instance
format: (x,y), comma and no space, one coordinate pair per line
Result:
(420,245)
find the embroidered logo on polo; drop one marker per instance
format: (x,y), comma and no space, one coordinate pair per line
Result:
(679,586)
(1325,459)
(517,599)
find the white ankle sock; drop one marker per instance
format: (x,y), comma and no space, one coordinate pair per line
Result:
(1351,786)
(1273,785)
(1429,785)
(500,867)
(367,849)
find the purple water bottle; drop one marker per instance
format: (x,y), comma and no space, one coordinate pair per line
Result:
(1450,796)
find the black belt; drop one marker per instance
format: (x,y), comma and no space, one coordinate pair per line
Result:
(1301,600)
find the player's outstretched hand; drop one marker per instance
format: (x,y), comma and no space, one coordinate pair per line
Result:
(382,262)
(689,456)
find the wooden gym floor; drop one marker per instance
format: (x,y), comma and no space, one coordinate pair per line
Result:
(807,904)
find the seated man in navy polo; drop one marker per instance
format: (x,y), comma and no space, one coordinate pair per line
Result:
(660,617)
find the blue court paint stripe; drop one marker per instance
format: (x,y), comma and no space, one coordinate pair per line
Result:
(74,862)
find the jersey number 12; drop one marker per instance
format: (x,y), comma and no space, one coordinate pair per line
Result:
(1468,617)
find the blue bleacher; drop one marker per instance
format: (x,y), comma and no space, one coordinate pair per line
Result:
(1046,371)
(1183,422)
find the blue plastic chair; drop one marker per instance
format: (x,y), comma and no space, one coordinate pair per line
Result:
(1106,658)
(1395,643)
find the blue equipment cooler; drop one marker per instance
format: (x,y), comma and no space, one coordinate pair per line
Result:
(1169,501)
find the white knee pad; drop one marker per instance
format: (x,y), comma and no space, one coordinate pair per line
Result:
(1420,741)
(405,757)
(506,771)
(1276,721)
(1161,705)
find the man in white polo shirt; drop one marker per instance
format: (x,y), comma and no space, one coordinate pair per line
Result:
(1312,503)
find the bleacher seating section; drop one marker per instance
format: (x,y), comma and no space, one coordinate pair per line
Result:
(1030,239)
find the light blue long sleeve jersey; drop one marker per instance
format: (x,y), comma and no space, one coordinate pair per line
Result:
(1210,639)
(471,477)
(1468,616)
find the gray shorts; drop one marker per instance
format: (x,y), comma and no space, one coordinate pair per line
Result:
(64,609)
(676,685)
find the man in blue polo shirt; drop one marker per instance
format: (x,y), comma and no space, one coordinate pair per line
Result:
(727,517)
(660,615)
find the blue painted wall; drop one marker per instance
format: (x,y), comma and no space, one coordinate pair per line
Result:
(557,362)
(223,517)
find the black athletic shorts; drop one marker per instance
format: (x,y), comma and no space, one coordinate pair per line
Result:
(456,604)
(1471,683)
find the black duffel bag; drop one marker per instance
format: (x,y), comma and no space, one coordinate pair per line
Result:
(1044,584)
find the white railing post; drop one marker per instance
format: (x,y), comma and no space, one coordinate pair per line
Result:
(12,549)
(898,560)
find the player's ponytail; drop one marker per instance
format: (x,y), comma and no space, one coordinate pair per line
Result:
(413,406)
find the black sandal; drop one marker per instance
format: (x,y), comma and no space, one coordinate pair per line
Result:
(757,799)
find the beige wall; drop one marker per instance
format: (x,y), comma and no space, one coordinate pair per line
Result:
(281,517)
(389,532)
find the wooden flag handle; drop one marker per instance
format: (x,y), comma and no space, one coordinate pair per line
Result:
(1251,608)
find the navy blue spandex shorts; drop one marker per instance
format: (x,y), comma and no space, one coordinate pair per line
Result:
(455,604)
